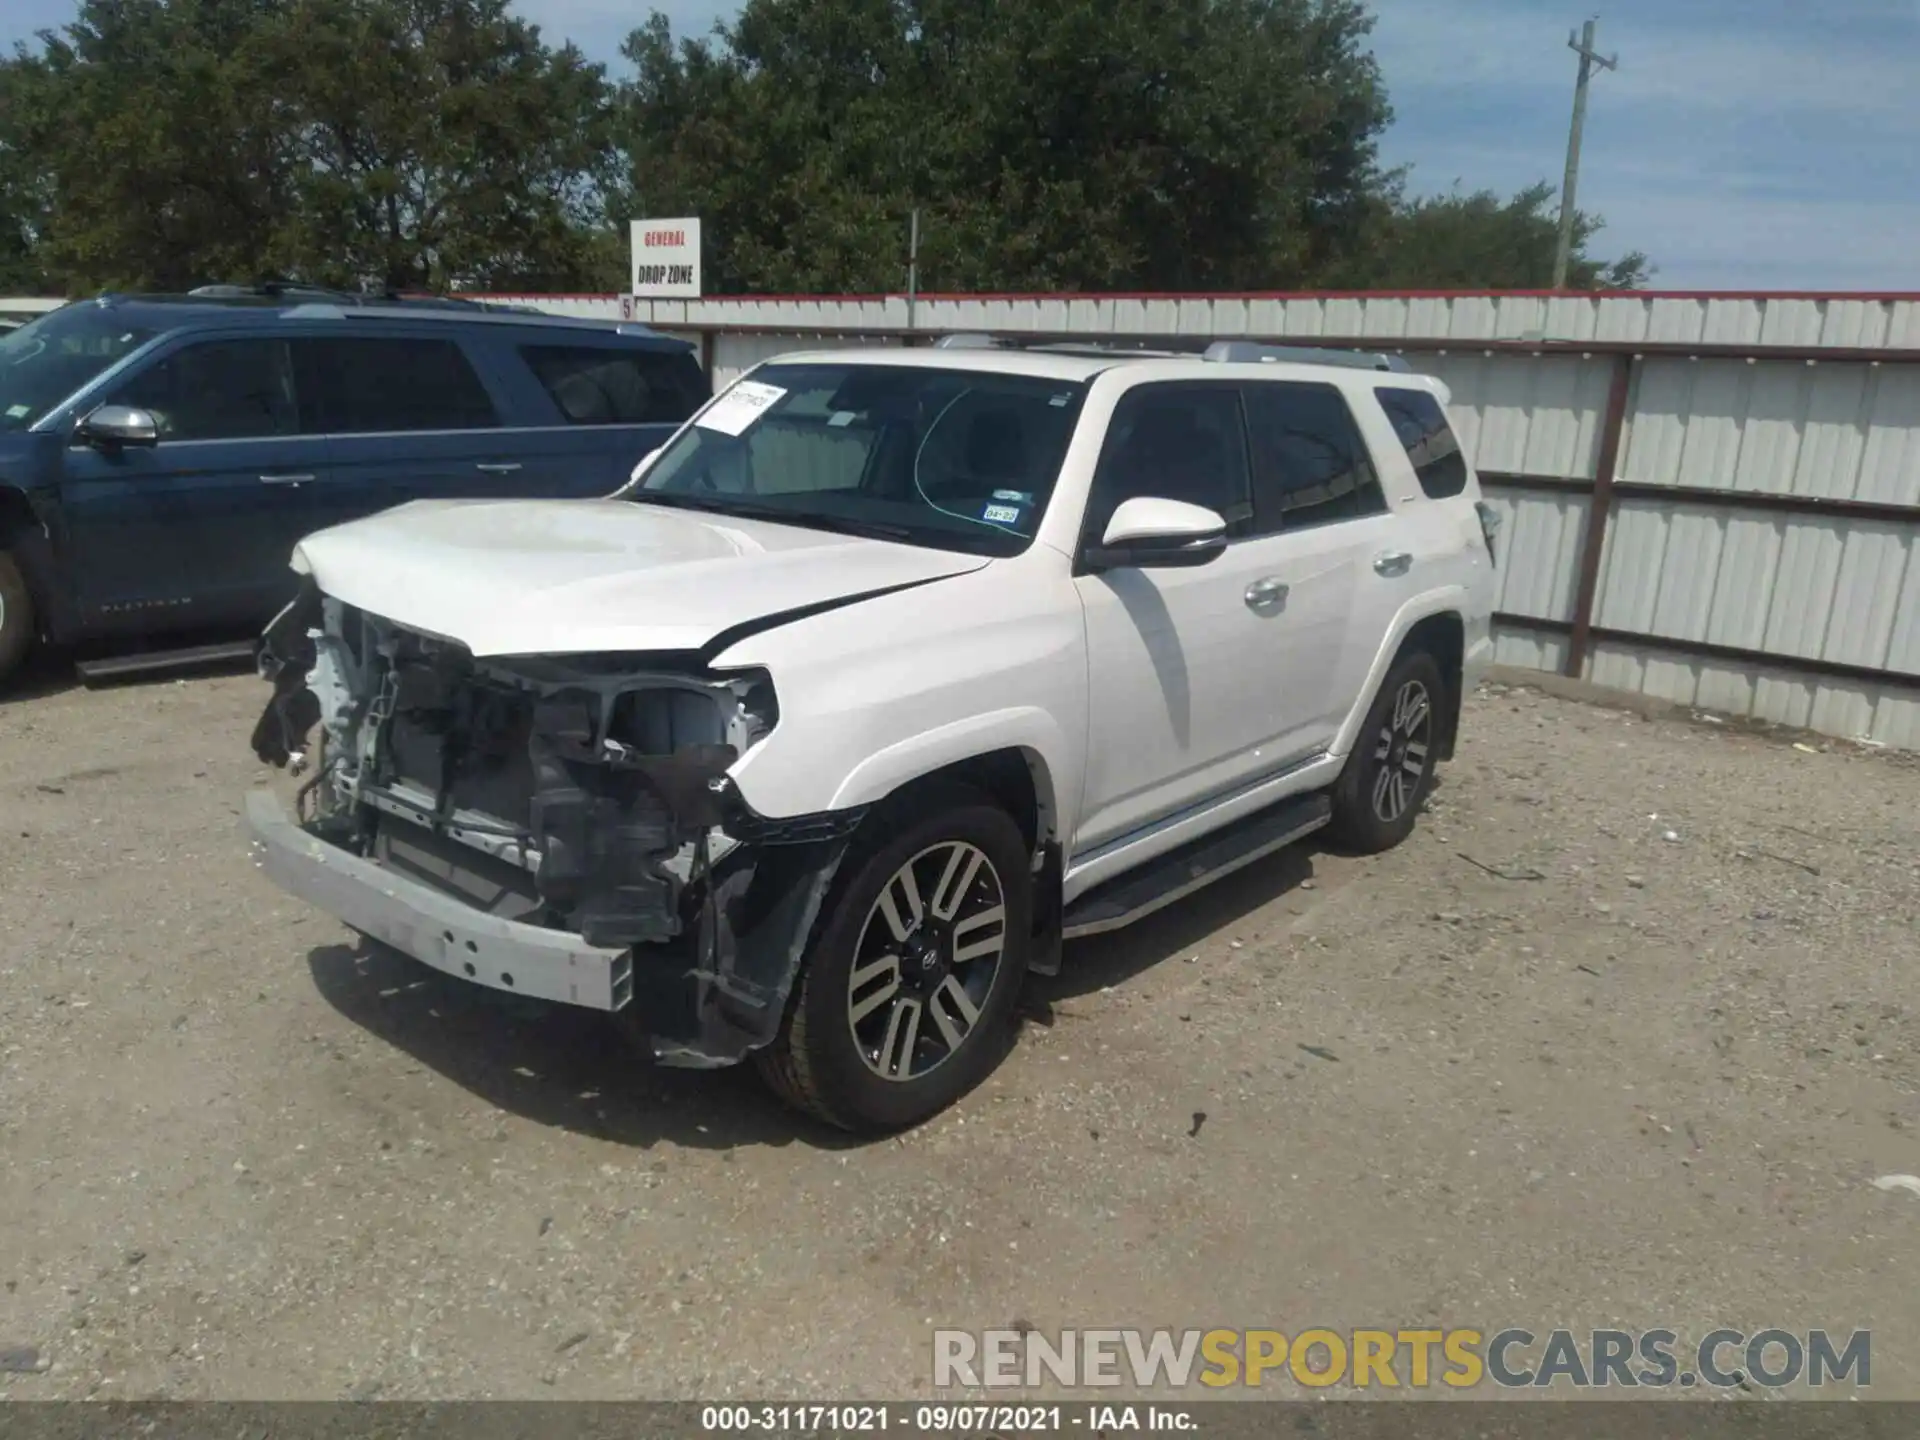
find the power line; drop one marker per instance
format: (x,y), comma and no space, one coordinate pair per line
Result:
(1581,43)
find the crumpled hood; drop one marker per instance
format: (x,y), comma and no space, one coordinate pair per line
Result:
(557,577)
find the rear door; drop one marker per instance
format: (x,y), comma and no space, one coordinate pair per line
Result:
(1317,495)
(1200,679)
(610,401)
(197,529)
(407,417)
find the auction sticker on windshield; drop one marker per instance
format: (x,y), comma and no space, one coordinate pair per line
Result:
(734,412)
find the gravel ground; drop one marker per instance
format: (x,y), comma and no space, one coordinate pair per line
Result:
(1621,1037)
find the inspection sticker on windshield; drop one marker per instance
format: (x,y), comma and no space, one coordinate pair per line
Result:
(14,412)
(734,412)
(1001,514)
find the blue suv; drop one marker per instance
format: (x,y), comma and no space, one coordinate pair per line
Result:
(160,455)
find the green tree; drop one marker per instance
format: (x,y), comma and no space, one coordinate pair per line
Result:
(1478,241)
(360,142)
(438,143)
(154,139)
(1056,144)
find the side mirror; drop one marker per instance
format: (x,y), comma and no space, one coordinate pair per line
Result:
(645,461)
(112,426)
(1150,533)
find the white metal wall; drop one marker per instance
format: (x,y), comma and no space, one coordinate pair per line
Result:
(1798,586)
(1836,588)
(1651,318)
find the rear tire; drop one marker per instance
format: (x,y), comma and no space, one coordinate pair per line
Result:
(16,616)
(906,997)
(1389,775)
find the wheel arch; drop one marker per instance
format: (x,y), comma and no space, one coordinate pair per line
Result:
(1436,624)
(23,536)
(1011,755)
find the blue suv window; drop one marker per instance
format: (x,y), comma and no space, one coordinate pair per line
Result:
(594,385)
(373,386)
(45,361)
(218,390)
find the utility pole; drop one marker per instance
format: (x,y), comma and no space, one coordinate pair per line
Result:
(1581,44)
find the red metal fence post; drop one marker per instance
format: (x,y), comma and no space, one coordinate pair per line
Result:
(1599,511)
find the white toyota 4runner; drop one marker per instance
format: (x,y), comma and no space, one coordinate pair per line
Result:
(889,672)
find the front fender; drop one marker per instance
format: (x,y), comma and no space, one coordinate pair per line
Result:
(1023,728)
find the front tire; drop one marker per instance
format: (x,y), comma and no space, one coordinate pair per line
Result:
(1386,781)
(16,616)
(905,999)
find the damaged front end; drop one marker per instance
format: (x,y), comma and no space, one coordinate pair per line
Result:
(558,827)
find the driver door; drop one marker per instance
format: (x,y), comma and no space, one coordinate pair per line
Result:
(198,528)
(1200,678)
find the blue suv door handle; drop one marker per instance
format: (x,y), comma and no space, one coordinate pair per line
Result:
(285,479)
(503,468)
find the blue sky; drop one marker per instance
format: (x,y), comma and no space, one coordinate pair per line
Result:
(1743,144)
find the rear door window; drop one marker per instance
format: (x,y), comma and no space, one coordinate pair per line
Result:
(1421,424)
(379,385)
(1310,466)
(597,385)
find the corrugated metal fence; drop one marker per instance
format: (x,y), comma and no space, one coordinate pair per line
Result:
(1712,499)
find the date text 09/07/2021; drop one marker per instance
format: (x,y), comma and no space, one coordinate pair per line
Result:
(947,1419)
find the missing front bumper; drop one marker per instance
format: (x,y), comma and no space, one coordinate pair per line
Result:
(437,929)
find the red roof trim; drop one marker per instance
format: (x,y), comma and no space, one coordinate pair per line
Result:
(1882,297)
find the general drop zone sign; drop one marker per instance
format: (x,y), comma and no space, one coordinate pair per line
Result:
(666,259)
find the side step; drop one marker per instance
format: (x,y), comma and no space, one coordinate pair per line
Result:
(1179,873)
(112,667)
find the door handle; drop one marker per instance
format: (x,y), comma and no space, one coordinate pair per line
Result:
(1393,562)
(501,468)
(285,479)
(1266,594)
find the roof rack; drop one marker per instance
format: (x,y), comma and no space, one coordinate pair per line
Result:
(291,291)
(477,313)
(1094,348)
(1247,352)
(1221,352)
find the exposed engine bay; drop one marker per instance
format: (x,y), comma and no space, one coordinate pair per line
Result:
(586,794)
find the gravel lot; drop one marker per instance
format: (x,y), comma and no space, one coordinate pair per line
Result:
(242,1157)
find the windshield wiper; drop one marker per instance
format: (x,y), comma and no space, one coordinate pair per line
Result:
(805,519)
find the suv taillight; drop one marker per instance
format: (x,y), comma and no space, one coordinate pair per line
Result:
(1489,527)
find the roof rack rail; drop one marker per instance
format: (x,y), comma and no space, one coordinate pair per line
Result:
(274,290)
(291,291)
(1094,348)
(1248,352)
(1220,352)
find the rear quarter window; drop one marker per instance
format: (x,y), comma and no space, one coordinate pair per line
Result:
(601,385)
(1421,424)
